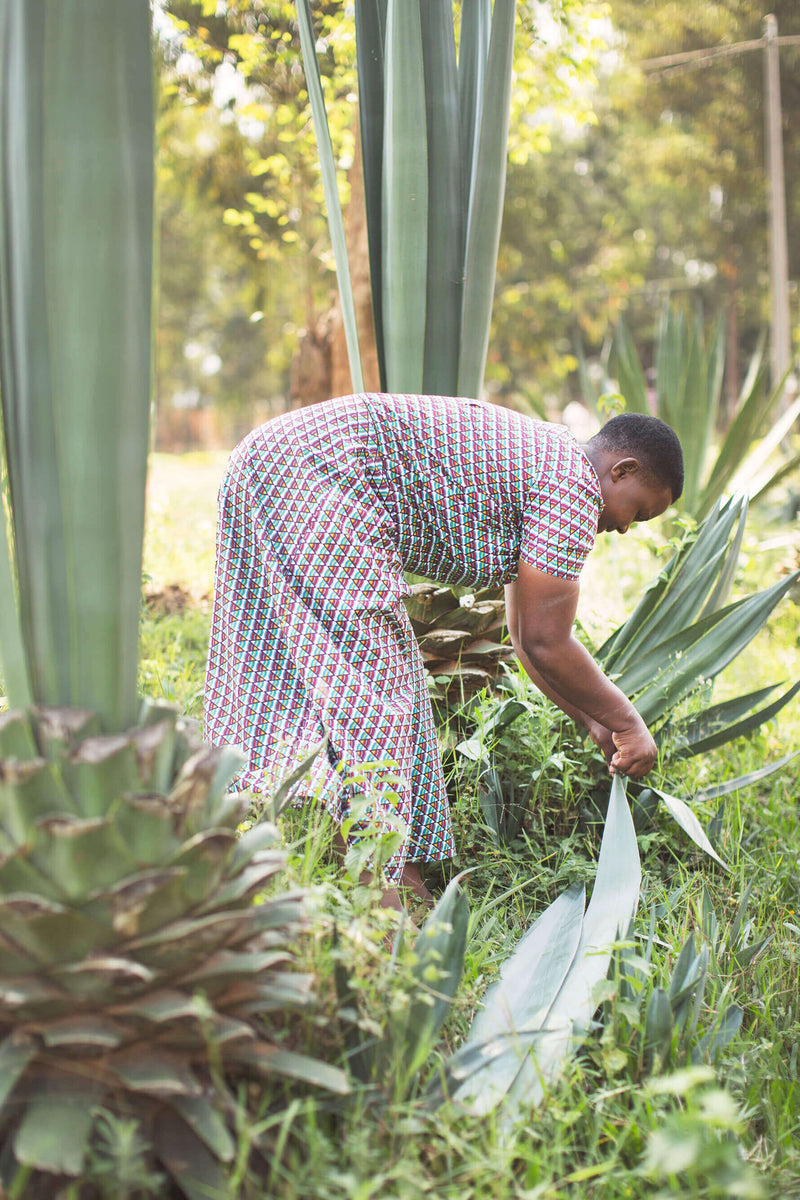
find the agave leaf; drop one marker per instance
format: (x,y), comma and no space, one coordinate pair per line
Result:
(445,268)
(486,208)
(439,950)
(658,1029)
(753,412)
(188,1159)
(717,716)
(628,369)
(743,781)
(13,664)
(56,1126)
(331,189)
(83,855)
(550,1017)
(248,882)
(473,51)
(267,1059)
(95,1031)
(370,18)
(77,157)
(531,978)
(781,473)
(726,577)
(699,652)
(16,1051)
(689,823)
(199,1113)
(404,199)
(686,564)
(737,728)
(155,1072)
(748,479)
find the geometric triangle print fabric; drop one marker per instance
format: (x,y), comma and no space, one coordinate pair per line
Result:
(321,512)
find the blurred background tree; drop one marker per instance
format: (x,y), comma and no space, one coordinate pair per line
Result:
(626,186)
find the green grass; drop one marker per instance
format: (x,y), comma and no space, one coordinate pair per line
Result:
(606,1129)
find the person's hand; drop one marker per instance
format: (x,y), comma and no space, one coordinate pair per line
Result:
(635,751)
(603,738)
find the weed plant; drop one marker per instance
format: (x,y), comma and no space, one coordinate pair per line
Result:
(709,1110)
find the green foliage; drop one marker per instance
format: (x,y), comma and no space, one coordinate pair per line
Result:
(687,395)
(131,932)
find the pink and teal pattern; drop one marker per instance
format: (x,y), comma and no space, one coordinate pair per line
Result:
(320,514)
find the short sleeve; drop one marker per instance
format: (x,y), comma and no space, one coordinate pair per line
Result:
(560,526)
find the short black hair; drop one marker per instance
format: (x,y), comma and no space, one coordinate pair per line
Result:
(650,440)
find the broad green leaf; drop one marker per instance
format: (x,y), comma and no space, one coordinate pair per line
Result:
(370,16)
(486,207)
(684,816)
(748,479)
(405,199)
(331,188)
(722,587)
(56,1126)
(445,208)
(76,153)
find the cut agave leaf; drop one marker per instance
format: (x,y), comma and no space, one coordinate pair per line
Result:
(544,1000)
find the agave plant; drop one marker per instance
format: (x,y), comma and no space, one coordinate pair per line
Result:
(434,130)
(666,656)
(136,974)
(688,386)
(459,635)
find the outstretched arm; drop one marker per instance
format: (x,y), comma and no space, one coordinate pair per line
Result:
(540,611)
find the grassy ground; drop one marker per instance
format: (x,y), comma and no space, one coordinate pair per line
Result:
(616,1125)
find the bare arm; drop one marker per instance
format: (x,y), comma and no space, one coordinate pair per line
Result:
(541,611)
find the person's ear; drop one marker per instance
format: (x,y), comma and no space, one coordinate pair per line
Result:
(623,467)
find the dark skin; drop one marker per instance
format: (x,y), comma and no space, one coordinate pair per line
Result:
(541,611)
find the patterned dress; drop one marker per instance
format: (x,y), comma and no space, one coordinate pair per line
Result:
(320,514)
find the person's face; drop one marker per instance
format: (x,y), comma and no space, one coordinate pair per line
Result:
(629,496)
